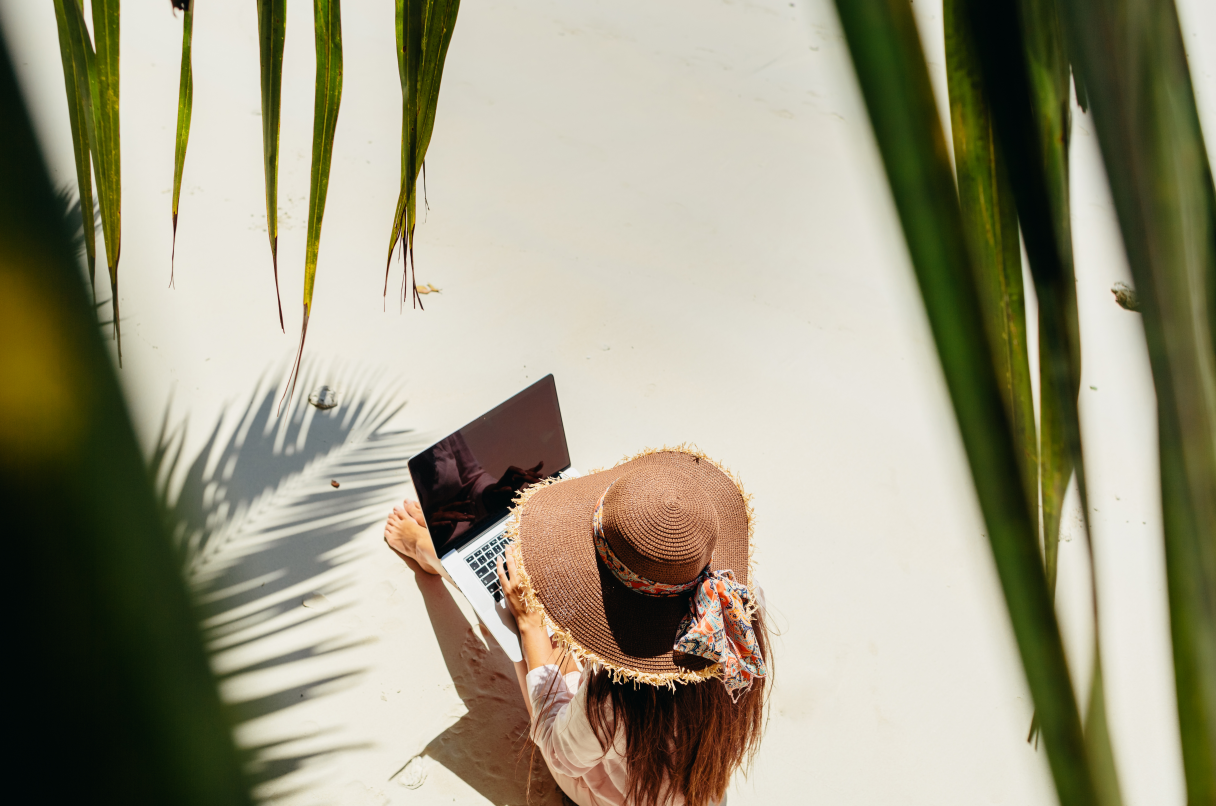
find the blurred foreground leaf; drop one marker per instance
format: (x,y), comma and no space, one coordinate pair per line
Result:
(106,653)
(990,222)
(1130,54)
(894,80)
(1025,72)
(1047,71)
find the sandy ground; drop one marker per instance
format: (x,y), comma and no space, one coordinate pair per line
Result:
(679,211)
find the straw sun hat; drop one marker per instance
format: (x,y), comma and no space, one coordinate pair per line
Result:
(644,568)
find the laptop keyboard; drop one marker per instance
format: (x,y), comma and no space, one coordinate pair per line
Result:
(484,563)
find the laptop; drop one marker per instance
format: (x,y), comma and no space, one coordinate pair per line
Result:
(466,483)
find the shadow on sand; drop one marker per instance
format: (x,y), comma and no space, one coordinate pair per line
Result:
(265,537)
(266,540)
(488,747)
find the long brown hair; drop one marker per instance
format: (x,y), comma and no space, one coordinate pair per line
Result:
(687,741)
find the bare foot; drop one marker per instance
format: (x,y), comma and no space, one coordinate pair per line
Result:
(406,533)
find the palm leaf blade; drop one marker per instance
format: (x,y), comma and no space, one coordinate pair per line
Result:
(109,151)
(1027,74)
(185,102)
(1131,57)
(1048,75)
(440,24)
(894,80)
(327,18)
(118,656)
(73,42)
(424,32)
(272,34)
(991,224)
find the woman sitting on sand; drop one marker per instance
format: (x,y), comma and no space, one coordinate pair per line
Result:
(644,648)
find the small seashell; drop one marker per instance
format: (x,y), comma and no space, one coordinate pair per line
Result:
(324,398)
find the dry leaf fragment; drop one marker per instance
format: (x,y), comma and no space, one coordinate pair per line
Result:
(427,288)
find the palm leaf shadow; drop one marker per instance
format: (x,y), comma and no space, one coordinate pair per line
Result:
(264,538)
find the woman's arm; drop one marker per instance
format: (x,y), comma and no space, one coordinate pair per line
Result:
(533,637)
(534,640)
(531,632)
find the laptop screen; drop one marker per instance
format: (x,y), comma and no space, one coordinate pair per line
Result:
(467,482)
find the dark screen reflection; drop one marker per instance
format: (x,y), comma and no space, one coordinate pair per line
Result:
(467,481)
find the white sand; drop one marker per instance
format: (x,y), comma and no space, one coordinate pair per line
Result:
(678,210)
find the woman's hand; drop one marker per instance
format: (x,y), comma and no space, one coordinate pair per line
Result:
(538,647)
(509,581)
(406,534)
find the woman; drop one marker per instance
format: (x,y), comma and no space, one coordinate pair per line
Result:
(644,648)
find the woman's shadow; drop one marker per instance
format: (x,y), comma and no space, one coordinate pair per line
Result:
(488,748)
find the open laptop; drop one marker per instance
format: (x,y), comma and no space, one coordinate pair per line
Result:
(466,483)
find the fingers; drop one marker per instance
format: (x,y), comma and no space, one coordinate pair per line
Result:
(503,582)
(511,568)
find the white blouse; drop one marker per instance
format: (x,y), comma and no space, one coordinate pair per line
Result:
(585,772)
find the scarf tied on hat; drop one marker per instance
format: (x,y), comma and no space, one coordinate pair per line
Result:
(719,626)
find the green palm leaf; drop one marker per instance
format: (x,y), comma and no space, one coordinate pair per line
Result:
(1026,74)
(424,32)
(118,659)
(185,101)
(1048,73)
(75,50)
(441,22)
(327,19)
(1131,56)
(109,152)
(991,224)
(894,80)
(410,20)
(272,31)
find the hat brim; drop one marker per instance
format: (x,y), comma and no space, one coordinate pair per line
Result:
(590,611)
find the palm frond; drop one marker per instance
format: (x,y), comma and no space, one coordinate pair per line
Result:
(1131,58)
(327,19)
(990,222)
(272,33)
(893,76)
(108,156)
(74,50)
(116,657)
(424,32)
(185,103)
